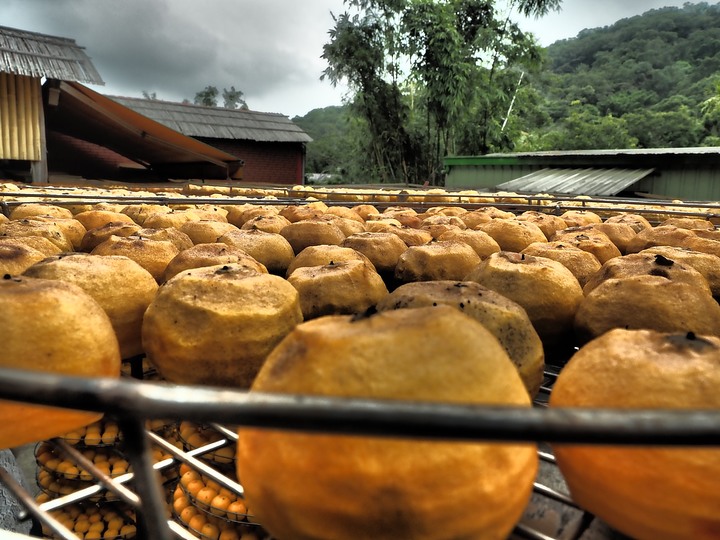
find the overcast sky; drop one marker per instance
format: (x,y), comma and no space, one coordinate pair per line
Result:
(269,49)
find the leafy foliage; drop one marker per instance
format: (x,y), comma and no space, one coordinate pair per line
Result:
(361,52)
(657,72)
(429,76)
(584,127)
(207,97)
(436,78)
(232,99)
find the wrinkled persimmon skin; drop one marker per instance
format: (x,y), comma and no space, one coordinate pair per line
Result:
(53,327)
(304,486)
(645,492)
(215,325)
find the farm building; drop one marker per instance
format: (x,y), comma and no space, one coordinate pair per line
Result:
(27,58)
(91,135)
(270,144)
(676,173)
(50,123)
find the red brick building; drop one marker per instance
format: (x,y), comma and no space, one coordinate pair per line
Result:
(270,145)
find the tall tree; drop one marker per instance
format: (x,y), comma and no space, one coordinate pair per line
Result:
(363,52)
(233,99)
(460,58)
(441,59)
(207,97)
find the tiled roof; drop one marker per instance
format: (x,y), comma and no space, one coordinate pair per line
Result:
(39,55)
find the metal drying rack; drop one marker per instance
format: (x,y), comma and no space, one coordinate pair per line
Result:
(381,198)
(131,402)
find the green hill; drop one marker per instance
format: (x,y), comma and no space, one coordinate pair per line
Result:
(653,72)
(331,146)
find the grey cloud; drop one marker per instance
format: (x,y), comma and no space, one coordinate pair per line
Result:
(269,49)
(177,47)
(578,15)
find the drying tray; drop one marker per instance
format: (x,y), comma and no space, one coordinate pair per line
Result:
(133,402)
(551,513)
(417,198)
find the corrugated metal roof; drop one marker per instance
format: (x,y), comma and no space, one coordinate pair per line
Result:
(690,150)
(218,122)
(597,182)
(39,55)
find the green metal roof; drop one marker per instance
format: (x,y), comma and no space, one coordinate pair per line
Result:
(557,157)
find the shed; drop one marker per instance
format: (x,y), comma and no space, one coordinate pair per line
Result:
(25,59)
(59,123)
(675,173)
(271,146)
(104,139)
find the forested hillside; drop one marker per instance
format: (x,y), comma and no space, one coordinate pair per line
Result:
(332,143)
(650,81)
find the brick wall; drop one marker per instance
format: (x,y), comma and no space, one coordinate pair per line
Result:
(265,162)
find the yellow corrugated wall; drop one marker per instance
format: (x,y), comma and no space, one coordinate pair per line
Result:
(20,110)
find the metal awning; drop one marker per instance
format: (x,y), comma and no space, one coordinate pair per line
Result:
(82,113)
(588,181)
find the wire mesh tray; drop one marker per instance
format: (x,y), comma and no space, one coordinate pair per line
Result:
(139,408)
(211,504)
(96,521)
(59,464)
(104,433)
(132,403)
(194,436)
(381,197)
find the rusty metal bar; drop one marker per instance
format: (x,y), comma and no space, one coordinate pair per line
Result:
(143,400)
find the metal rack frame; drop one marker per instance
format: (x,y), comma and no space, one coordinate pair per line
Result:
(132,402)
(556,204)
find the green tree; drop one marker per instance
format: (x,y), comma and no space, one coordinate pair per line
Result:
(628,101)
(362,51)
(461,59)
(233,99)
(585,129)
(511,52)
(710,111)
(207,97)
(442,64)
(653,129)
(653,71)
